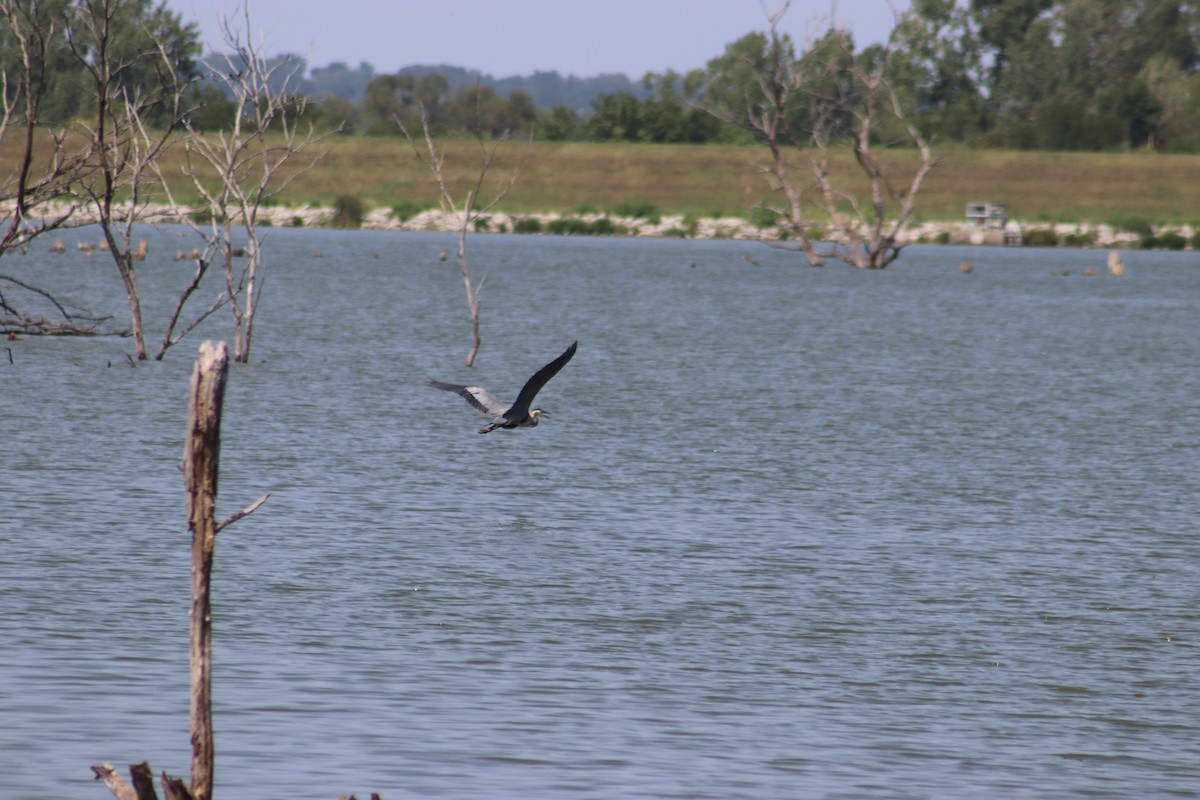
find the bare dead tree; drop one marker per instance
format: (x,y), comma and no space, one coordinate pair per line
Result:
(866,235)
(471,208)
(105,174)
(125,150)
(247,162)
(767,86)
(114,170)
(805,111)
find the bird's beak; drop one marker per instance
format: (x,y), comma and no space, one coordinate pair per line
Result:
(544,414)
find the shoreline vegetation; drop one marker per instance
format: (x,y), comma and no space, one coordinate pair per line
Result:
(1102,200)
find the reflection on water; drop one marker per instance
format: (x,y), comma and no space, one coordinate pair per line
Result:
(790,531)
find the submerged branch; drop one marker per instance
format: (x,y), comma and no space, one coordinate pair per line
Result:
(74,322)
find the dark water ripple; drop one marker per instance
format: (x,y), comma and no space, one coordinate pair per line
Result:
(791,532)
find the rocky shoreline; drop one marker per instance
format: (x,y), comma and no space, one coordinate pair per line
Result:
(679,226)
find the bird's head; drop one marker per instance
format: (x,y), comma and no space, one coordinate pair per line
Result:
(535,414)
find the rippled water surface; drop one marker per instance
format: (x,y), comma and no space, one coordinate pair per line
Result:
(790,532)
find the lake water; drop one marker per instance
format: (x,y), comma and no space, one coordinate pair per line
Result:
(791,532)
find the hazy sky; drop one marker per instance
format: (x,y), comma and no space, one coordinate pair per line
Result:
(518,37)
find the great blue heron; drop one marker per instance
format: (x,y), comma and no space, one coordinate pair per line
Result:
(519,414)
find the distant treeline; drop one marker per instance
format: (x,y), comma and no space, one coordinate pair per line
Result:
(459,101)
(548,89)
(1026,74)
(456,101)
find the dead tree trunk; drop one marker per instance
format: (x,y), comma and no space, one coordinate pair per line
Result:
(472,289)
(201,459)
(470,212)
(201,455)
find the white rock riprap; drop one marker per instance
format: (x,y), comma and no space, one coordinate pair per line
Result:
(435,220)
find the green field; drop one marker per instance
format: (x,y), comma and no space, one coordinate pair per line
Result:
(708,180)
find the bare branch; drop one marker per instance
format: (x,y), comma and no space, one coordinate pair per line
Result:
(124,150)
(245,512)
(169,340)
(73,323)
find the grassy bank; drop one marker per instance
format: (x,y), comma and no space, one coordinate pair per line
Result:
(714,180)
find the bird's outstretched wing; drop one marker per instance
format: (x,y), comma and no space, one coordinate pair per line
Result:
(520,408)
(476,396)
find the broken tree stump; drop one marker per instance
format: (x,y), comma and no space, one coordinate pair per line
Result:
(115,783)
(201,459)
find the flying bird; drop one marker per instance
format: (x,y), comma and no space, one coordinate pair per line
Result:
(519,414)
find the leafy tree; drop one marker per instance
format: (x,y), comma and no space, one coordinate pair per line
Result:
(1072,122)
(212,110)
(1002,25)
(1140,111)
(431,91)
(1030,76)
(35,30)
(337,79)
(388,98)
(405,97)
(482,112)
(1106,44)
(734,85)
(521,113)
(1074,73)
(666,117)
(1172,90)
(31,183)
(138,33)
(615,117)
(334,113)
(560,123)
(941,70)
